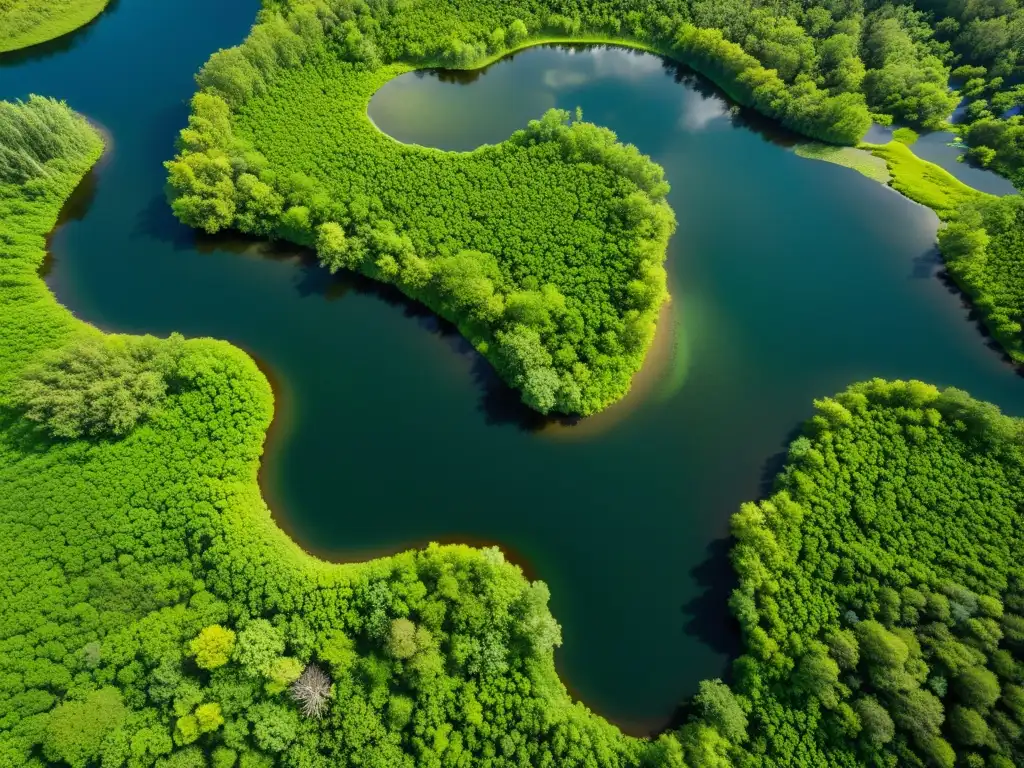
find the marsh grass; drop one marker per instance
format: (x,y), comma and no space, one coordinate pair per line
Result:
(29,22)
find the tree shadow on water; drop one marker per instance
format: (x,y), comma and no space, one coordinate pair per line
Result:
(708,617)
(75,209)
(775,463)
(155,220)
(927,265)
(974,315)
(500,404)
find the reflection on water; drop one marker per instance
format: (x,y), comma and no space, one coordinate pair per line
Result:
(581,66)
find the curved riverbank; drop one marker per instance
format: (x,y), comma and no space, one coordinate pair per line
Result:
(34,22)
(391,415)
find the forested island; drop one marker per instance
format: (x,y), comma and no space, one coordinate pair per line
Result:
(24,23)
(154,614)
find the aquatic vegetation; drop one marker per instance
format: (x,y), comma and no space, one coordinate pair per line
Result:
(860,160)
(30,22)
(923,182)
(905,135)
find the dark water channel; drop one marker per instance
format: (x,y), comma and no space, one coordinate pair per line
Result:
(791,279)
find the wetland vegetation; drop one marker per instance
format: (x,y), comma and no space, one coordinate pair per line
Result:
(24,23)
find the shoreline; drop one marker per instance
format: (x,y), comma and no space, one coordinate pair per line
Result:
(643,387)
(282,429)
(72,21)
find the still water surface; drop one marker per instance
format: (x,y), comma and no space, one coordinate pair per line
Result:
(791,279)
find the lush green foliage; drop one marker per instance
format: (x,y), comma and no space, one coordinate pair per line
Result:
(154,615)
(987,38)
(882,587)
(921,181)
(999,144)
(98,386)
(546,250)
(905,136)
(30,22)
(565,312)
(984,249)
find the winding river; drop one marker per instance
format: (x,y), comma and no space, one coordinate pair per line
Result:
(791,279)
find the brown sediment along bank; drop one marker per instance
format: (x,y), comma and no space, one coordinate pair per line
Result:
(645,383)
(280,429)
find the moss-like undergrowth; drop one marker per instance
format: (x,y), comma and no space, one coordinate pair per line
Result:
(921,181)
(30,22)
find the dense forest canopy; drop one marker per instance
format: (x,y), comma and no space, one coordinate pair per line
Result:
(882,587)
(153,614)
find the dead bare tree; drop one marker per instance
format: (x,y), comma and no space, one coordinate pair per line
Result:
(312,690)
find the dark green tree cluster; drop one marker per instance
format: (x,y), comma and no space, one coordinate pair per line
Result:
(907,67)
(983,246)
(998,142)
